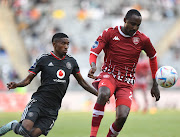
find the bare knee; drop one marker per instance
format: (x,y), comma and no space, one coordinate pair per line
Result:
(28,125)
(104,95)
(36,132)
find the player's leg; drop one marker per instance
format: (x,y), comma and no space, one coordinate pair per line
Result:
(36,132)
(122,113)
(123,104)
(105,89)
(26,128)
(29,117)
(18,128)
(21,130)
(98,111)
(11,125)
(43,125)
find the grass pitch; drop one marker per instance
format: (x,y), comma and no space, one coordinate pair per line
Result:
(164,123)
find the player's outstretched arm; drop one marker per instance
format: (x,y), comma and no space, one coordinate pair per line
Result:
(155,90)
(84,84)
(23,83)
(154,67)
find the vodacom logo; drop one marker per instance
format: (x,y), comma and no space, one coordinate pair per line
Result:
(60,73)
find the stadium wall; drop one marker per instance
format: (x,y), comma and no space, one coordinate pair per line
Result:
(84,101)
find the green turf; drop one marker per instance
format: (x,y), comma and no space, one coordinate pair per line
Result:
(77,124)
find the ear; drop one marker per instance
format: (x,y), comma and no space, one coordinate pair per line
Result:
(54,43)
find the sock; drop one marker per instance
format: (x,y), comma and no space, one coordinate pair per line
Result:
(14,125)
(15,128)
(113,131)
(20,130)
(98,114)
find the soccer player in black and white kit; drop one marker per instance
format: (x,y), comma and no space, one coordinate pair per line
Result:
(42,110)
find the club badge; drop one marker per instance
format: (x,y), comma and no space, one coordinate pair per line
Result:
(136,40)
(68,65)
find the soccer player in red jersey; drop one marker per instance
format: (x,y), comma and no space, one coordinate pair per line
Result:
(122,46)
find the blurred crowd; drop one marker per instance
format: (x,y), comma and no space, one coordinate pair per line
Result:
(82,20)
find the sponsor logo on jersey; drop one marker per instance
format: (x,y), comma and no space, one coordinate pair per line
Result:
(68,65)
(96,43)
(60,73)
(136,40)
(116,38)
(59,80)
(50,64)
(106,76)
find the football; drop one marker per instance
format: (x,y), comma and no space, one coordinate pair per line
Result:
(166,76)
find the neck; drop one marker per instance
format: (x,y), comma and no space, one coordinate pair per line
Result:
(123,30)
(59,55)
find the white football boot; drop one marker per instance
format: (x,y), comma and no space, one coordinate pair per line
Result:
(6,128)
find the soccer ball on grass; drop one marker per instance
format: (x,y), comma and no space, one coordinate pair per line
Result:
(166,76)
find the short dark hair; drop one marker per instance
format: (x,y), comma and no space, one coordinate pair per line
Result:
(59,36)
(132,12)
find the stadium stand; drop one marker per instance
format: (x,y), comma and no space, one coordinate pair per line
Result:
(83,21)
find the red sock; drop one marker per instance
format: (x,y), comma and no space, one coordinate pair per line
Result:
(98,114)
(113,130)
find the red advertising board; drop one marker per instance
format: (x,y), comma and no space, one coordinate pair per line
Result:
(13,102)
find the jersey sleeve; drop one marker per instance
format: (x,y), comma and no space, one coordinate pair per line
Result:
(151,53)
(149,49)
(36,67)
(100,43)
(75,68)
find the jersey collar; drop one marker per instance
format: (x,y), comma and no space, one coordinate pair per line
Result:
(120,31)
(52,53)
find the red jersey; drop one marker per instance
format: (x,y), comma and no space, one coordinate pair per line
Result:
(122,52)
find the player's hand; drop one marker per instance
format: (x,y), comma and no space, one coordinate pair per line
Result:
(92,71)
(155,91)
(11,85)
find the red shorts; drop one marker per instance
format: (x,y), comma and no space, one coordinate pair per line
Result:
(122,90)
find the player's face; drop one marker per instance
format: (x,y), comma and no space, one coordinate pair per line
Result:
(132,24)
(61,46)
